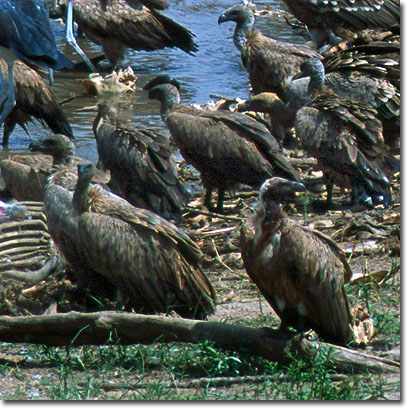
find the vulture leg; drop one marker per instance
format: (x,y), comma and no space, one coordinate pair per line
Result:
(220,205)
(208,199)
(329,189)
(71,39)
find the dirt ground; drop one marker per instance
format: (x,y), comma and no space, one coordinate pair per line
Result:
(371,239)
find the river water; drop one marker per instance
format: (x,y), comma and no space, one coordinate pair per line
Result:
(215,69)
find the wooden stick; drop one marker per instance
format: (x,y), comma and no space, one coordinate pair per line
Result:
(128,328)
(189,209)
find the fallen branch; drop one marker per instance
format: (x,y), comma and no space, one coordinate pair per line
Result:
(127,328)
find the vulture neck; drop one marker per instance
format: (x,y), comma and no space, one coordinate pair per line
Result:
(242,30)
(169,101)
(272,217)
(80,197)
(317,78)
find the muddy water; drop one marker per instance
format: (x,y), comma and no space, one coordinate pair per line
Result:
(215,69)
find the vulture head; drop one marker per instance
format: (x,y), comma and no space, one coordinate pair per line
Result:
(264,102)
(240,14)
(108,110)
(60,147)
(279,190)
(164,89)
(85,171)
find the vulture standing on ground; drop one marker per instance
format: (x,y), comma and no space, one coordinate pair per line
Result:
(327,20)
(369,74)
(227,148)
(299,271)
(117,25)
(153,263)
(346,138)
(141,164)
(268,62)
(25,176)
(34,98)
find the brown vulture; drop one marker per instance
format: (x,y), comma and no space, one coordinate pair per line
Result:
(117,25)
(346,138)
(299,271)
(34,98)
(227,148)
(269,62)
(25,176)
(153,263)
(141,164)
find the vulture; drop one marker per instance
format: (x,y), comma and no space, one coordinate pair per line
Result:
(301,272)
(25,34)
(25,176)
(227,148)
(369,74)
(328,21)
(117,25)
(269,62)
(34,98)
(141,164)
(346,138)
(154,264)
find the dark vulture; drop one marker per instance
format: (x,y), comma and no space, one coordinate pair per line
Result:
(269,62)
(153,263)
(117,25)
(301,272)
(25,34)
(25,176)
(141,164)
(328,20)
(346,138)
(34,98)
(227,148)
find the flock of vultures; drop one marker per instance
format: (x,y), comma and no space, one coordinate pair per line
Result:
(118,224)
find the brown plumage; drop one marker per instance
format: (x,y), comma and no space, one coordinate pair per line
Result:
(25,176)
(141,163)
(299,271)
(328,19)
(347,139)
(34,98)
(269,62)
(281,116)
(154,264)
(116,25)
(227,148)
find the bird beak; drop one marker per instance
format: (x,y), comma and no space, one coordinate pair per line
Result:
(222,18)
(34,146)
(300,74)
(294,186)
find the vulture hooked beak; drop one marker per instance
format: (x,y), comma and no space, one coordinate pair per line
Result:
(279,188)
(223,18)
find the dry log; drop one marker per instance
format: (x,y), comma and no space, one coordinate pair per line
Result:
(128,328)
